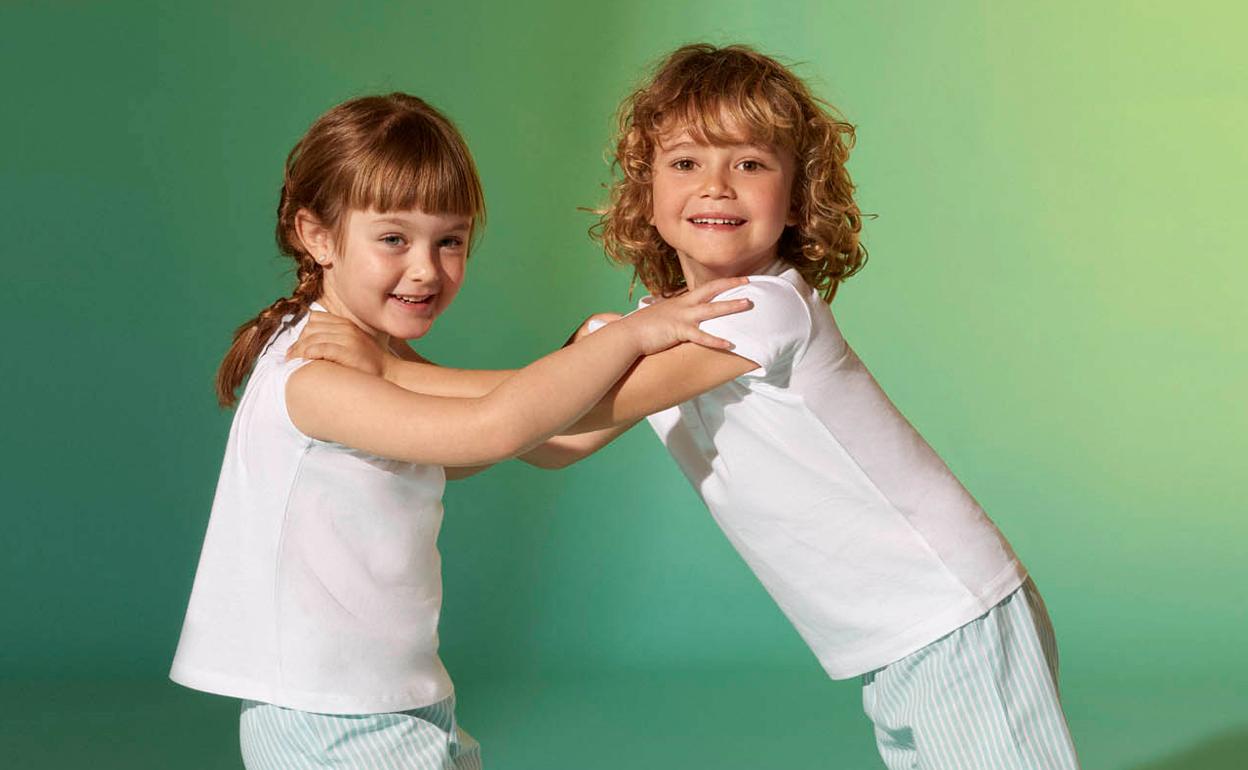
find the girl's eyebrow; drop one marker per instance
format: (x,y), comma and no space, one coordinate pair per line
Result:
(463,224)
(396,221)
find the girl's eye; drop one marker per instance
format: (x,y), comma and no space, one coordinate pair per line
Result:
(452,242)
(392,240)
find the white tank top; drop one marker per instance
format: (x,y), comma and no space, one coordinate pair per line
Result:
(319,585)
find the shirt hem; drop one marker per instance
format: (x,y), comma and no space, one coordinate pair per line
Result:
(320,703)
(876,654)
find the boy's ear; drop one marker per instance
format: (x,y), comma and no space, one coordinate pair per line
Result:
(315,237)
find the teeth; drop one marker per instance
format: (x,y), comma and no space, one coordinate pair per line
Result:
(716,221)
(411,300)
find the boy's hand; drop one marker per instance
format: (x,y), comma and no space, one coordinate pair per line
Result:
(331,338)
(591,325)
(661,325)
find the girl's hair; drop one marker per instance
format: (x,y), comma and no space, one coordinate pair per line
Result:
(385,153)
(718,94)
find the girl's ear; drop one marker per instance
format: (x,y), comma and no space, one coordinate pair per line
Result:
(315,237)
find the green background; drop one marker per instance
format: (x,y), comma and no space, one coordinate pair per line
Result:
(1052,299)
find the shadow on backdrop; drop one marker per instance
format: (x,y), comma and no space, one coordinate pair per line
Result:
(1225,751)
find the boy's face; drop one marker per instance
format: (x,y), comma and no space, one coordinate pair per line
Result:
(721,207)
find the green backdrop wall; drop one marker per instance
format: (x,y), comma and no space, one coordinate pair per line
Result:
(1054,298)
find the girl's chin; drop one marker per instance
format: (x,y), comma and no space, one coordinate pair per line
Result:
(410,330)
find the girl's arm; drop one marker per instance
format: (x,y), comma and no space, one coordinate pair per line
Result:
(334,403)
(332,338)
(655,383)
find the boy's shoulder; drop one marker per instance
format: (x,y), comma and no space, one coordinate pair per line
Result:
(785,296)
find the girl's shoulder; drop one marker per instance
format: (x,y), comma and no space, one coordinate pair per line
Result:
(263,403)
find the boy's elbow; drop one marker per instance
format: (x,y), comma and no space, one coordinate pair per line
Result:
(550,461)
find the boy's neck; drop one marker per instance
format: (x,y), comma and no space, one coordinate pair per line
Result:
(697,273)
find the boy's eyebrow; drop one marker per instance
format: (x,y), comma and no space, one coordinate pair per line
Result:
(687,142)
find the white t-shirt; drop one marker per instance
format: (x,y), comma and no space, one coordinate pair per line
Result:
(857,529)
(319,585)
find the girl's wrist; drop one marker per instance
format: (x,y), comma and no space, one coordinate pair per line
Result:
(635,334)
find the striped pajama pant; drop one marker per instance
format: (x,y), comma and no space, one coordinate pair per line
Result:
(982,698)
(276,738)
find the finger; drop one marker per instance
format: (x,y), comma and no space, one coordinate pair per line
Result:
(321,320)
(722,308)
(322,352)
(305,337)
(710,341)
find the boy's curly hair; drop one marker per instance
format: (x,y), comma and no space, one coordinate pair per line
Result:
(718,94)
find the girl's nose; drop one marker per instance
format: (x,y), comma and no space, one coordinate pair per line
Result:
(422,267)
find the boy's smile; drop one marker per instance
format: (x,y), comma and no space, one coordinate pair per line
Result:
(722,208)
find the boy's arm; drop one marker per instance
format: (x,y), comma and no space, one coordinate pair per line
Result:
(561,451)
(657,382)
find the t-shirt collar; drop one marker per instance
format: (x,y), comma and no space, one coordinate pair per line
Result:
(778,267)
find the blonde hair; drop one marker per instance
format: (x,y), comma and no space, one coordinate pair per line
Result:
(716,94)
(386,153)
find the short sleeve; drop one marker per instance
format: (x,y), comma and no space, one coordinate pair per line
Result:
(773,333)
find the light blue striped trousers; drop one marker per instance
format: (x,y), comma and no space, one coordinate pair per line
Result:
(276,738)
(982,698)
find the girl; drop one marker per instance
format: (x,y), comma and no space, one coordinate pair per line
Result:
(318,590)
(884,563)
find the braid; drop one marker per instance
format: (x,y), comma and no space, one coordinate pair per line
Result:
(250,338)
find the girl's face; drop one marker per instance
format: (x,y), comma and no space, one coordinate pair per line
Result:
(397,270)
(722,208)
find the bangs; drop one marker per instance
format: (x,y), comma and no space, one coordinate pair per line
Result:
(414,165)
(725,105)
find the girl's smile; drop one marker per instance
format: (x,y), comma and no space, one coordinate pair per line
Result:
(419,305)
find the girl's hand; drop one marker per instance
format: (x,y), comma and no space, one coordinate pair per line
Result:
(332,338)
(662,325)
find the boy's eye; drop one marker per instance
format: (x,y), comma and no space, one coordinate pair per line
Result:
(750,165)
(683,164)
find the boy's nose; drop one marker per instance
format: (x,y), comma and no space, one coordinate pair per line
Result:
(716,185)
